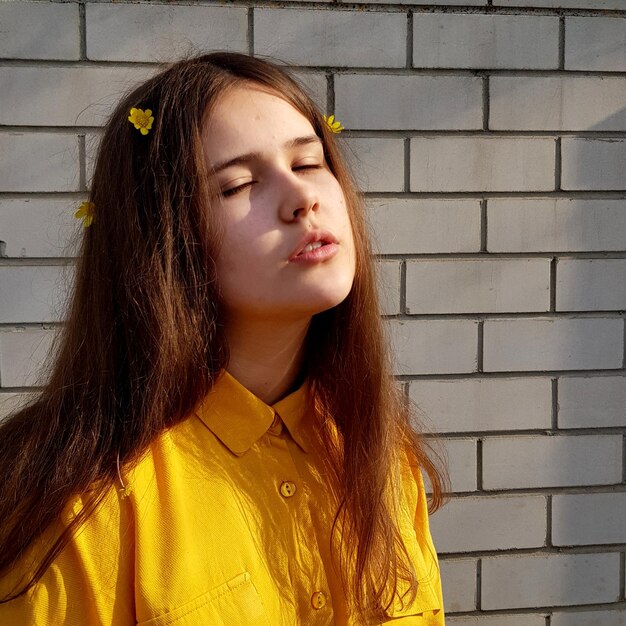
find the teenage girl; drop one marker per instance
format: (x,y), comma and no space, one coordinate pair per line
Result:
(220,440)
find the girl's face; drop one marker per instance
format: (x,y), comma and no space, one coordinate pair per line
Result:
(276,188)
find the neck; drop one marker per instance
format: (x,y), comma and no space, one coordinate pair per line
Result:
(266,355)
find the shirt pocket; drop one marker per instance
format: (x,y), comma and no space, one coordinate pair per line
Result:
(234,602)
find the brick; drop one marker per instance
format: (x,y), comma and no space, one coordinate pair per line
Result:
(490,523)
(596,43)
(564,4)
(425,226)
(461,457)
(551,461)
(331,37)
(498,620)
(591,284)
(530,581)
(434,346)
(158,33)
(33,293)
(315,84)
(482,164)
(37,227)
(378,162)
(458,580)
(447,3)
(485,41)
(477,285)
(38,162)
(389,287)
(484,404)
(415,102)
(559,103)
(588,518)
(593,163)
(538,344)
(594,402)
(589,618)
(12,402)
(27,29)
(22,357)
(555,224)
(64,96)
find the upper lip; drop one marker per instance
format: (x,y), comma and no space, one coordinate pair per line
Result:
(312,237)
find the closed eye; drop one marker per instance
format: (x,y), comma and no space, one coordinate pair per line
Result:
(235,190)
(312,166)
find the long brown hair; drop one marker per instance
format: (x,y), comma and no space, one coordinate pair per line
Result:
(143,341)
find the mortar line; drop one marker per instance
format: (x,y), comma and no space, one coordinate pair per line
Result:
(555,403)
(562,42)
(82,30)
(409,40)
(407,165)
(330,93)
(624,333)
(479,464)
(480,346)
(403,287)
(82,164)
(557,164)
(622,575)
(549,521)
(486,108)
(479,574)
(553,269)
(624,458)
(483,226)
(251,30)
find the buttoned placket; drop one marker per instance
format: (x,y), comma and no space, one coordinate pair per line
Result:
(290,488)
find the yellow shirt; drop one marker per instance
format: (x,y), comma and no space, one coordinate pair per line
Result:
(225,525)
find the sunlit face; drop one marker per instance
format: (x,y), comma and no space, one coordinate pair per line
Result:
(275,187)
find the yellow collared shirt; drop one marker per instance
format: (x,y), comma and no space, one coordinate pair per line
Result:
(224,524)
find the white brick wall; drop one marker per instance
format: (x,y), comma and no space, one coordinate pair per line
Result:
(558,103)
(558,461)
(579,519)
(489,139)
(477,286)
(491,523)
(593,163)
(418,102)
(552,580)
(459,584)
(38,162)
(52,32)
(485,41)
(153,32)
(487,404)
(482,164)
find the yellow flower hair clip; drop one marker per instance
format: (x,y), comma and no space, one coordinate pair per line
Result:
(333,125)
(142,120)
(86,211)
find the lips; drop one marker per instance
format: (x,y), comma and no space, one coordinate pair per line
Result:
(316,235)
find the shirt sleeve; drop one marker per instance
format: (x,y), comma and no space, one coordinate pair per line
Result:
(90,583)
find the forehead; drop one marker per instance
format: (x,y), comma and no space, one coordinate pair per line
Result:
(250,118)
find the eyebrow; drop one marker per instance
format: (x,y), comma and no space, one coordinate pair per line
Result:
(252,156)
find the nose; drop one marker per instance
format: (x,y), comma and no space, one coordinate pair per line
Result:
(298,197)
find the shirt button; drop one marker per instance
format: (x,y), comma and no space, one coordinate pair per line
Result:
(318,600)
(287,489)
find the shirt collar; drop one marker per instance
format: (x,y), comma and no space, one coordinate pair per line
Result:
(239,419)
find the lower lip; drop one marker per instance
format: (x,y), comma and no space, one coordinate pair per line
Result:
(318,255)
